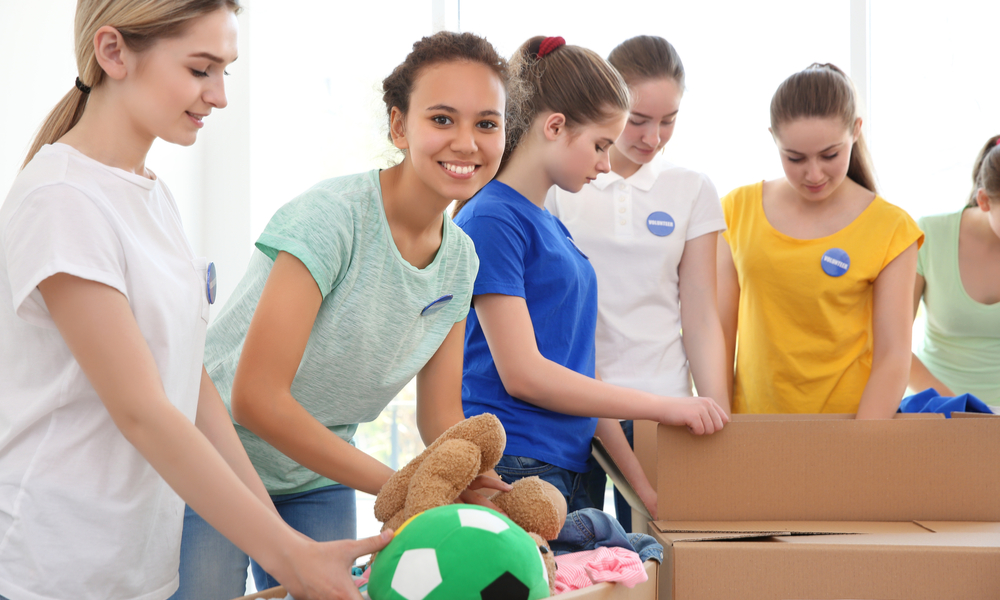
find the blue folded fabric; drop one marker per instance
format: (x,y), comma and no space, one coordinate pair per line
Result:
(589,529)
(930,401)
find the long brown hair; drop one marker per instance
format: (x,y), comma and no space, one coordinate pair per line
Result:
(986,172)
(141,23)
(570,80)
(823,90)
(646,57)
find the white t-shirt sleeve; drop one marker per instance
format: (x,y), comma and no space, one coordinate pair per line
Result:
(59,229)
(706,211)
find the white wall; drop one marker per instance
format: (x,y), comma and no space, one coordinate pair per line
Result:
(210,180)
(305,105)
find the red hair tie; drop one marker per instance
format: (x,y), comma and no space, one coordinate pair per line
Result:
(549,44)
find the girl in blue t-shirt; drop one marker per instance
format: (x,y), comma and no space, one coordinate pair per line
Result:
(529,343)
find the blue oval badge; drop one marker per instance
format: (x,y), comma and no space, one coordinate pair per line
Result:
(835,262)
(660,223)
(437,305)
(210,283)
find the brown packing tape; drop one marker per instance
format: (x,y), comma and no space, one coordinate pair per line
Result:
(832,469)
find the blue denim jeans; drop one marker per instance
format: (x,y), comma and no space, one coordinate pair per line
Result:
(622,509)
(570,483)
(212,568)
(589,529)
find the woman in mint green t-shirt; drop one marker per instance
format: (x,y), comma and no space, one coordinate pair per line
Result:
(357,286)
(958,277)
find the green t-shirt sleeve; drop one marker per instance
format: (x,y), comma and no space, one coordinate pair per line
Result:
(316,228)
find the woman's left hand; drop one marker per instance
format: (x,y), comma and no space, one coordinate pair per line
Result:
(471,495)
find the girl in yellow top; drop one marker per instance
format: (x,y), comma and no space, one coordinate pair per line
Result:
(816,271)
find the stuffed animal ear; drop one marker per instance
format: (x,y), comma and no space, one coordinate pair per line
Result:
(485,431)
(535,505)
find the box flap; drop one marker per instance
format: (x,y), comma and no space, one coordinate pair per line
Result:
(960,526)
(674,537)
(987,540)
(831,469)
(791,527)
(965,415)
(600,453)
(830,417)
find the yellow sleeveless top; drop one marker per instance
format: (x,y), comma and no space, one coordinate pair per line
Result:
(805,310)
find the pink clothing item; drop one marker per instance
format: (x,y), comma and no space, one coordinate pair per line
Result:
(582,569)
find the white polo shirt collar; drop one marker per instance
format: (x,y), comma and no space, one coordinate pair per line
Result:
(642,179)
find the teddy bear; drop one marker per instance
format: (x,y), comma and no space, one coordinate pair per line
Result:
(444,469)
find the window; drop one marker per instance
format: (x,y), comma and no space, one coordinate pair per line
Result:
(735,54)
(935,100)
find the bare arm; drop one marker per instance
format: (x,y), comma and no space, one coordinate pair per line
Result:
(97,324)
(703,340)
(214,423)
(439,387)
(920,376)
(439,406)
(892,328)
(262,400)
(611,434)
(729,305)
(529,376)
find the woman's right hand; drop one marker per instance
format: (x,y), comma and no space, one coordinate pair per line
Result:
(699,415)
(322,570)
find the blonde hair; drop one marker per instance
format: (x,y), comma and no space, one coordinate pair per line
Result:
(141,23)
(986,172)
(823,90)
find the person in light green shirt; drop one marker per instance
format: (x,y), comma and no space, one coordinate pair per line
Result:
(958,278)
(356,287)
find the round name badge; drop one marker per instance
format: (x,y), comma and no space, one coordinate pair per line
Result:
(437,305)
(660,223)
(835,262)
(210,283)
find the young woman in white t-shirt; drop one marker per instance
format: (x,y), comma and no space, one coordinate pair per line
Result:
(104,403)
(650,229)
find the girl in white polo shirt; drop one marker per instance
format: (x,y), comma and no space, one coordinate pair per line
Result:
(650,229)
(106,412)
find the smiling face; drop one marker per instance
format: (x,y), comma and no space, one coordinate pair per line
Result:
(453,133)
(815,154)
(651,122)
(582,153)
(177,82)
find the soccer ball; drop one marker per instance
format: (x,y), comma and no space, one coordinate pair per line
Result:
(459,551)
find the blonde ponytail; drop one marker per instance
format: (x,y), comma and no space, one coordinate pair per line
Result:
(141,23)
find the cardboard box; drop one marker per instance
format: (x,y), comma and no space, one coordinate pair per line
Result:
(601,591)
(811,507)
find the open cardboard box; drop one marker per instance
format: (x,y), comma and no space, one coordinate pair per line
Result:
(811,507)
(600,591)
